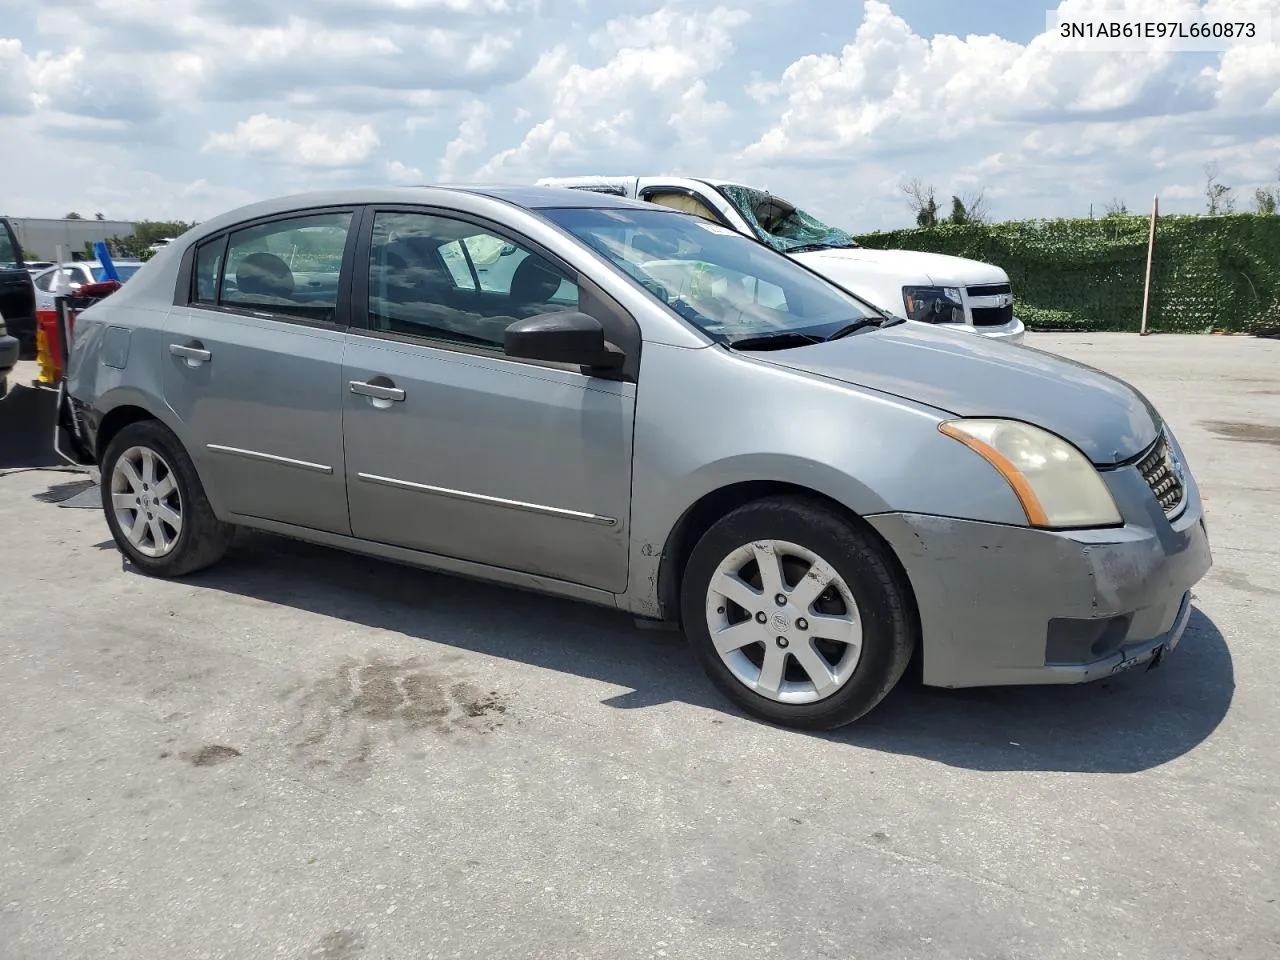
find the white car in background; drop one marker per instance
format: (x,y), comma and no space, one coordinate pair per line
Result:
(947,291)
(74,276)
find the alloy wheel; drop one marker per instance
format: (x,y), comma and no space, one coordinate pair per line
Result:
(784,622)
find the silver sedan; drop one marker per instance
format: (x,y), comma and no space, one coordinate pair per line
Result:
(626,405)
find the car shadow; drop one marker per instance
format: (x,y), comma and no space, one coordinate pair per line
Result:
(1132,722)
(27,418)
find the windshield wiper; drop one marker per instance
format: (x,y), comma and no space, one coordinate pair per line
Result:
(819,245)
(775,341)
(864,322)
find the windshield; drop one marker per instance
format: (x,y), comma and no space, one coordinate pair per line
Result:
(780,224)
(727,285)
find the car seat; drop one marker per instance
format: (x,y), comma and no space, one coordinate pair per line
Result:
(532,286)
(265,276)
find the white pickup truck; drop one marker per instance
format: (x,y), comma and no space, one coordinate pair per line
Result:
(964,294)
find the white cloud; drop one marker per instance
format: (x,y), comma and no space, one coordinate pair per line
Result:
(891,84)
(299,144)
(398,172)
(649,96)
(832,112)
(471,139)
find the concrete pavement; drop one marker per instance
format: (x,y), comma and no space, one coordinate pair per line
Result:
(302,753)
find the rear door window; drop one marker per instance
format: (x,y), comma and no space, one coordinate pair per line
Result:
(289,266)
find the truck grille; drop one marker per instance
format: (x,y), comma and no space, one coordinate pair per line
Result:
(1165,481)
(990,290)
(991,316)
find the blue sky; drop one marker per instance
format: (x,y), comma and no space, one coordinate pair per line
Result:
(184,108)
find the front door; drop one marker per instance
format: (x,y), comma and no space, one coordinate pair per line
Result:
(253,368)
(455,449)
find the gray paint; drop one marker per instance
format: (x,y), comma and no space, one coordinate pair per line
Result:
(971,376)
(499,430)
(269,387)
(488,465)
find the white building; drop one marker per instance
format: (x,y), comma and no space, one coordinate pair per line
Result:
(40,237)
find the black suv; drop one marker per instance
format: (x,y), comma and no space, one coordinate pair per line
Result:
(17,299)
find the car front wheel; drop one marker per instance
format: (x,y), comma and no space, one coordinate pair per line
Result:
(155,505)
(797,615)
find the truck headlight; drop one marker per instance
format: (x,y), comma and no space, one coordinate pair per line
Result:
(933,304)
(1055,483)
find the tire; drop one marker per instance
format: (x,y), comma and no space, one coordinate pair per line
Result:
(866,606)
(161,549)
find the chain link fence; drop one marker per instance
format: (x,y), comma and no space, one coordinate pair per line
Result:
(1217,273)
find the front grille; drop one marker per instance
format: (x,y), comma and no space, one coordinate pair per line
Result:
(1164,479)
(990,290)
(991,316)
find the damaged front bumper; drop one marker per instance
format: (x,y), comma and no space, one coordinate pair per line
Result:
(1015,605)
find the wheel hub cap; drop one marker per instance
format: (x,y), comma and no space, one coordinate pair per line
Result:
(146,501)
(808,645)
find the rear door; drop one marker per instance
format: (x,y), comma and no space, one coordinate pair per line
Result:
(253,367)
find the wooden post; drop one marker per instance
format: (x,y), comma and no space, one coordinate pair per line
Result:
(1151,249)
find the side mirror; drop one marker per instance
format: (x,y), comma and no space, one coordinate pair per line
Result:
(562,337)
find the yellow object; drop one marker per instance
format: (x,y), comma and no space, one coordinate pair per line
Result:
(44,358)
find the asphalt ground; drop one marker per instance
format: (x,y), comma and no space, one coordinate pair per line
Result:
(306,754)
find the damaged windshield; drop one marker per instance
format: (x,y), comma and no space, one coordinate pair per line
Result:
(781,225)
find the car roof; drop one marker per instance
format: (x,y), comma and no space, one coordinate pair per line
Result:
(548,198)
(531,198)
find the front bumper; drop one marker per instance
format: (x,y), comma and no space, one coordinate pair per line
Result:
(1014,331)
(1014,605)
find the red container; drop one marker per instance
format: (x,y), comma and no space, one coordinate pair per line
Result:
(48,325)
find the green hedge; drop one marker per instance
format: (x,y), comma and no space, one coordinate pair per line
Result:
(1209,273)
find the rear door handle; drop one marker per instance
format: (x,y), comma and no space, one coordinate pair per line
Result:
(192,355)
(376,391)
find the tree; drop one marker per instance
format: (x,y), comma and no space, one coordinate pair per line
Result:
(145,233)
(73,216)
(971,208)
(1117,208)
(1218,195)
(99,216)
(923,201)
(1267,199)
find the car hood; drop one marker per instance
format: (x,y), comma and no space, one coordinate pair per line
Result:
(912,266)
(970,376)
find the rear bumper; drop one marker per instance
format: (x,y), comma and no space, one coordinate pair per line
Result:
(73,437)
(1013,605)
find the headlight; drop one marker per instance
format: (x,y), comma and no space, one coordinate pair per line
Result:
(933,304)
(1055,483)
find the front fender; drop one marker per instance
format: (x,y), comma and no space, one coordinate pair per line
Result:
(710,419)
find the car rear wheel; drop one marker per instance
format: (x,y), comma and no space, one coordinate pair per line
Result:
(797,615)
(155,505)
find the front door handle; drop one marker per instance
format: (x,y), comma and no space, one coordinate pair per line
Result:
(376,391)
(194,354)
